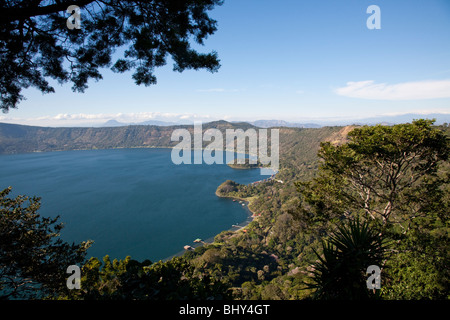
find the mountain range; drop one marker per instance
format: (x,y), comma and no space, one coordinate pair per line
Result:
(386,120)
(15,138)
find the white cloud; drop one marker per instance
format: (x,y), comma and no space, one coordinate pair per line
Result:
(212,90)
(83,119)
(79,116)
(429,89)
(218,90)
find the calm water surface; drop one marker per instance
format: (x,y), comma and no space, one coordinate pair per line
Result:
(129,201)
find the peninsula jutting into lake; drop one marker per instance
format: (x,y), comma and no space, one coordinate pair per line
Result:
(128,201)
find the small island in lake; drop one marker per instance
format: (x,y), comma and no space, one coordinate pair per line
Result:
(244,166)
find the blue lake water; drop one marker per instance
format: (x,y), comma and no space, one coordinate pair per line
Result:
(132,202)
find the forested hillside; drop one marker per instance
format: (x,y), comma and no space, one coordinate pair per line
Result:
(19,138)
(306,218)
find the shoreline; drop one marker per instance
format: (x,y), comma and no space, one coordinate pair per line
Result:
(251,214)
(240,226)
(234,228)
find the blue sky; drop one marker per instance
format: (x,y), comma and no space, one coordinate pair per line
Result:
(289,59)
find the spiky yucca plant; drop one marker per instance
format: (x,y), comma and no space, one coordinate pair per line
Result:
(340,272)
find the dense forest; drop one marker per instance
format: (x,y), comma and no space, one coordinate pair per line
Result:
(343,199)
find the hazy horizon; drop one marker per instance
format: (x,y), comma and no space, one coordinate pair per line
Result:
(298,61)
(112,120)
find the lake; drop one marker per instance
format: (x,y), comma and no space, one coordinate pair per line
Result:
(132,202)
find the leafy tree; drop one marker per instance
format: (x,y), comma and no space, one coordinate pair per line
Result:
(340,272)
(418,267)
(129,279)
(386,173)
(33,260)
(36,43)
(396,179)
(413,275)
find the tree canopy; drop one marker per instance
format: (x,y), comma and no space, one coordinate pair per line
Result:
(33,259)
(36,44)
(386,173)
(395,178)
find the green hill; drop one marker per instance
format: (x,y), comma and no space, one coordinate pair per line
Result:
(20,138)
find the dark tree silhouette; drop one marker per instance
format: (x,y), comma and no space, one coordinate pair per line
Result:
(33,259)
(36,43)
(340,272)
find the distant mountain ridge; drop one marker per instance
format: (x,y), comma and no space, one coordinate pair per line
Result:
(115,123)
(16,138)
(385,120)
(282,123)
(403,118)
